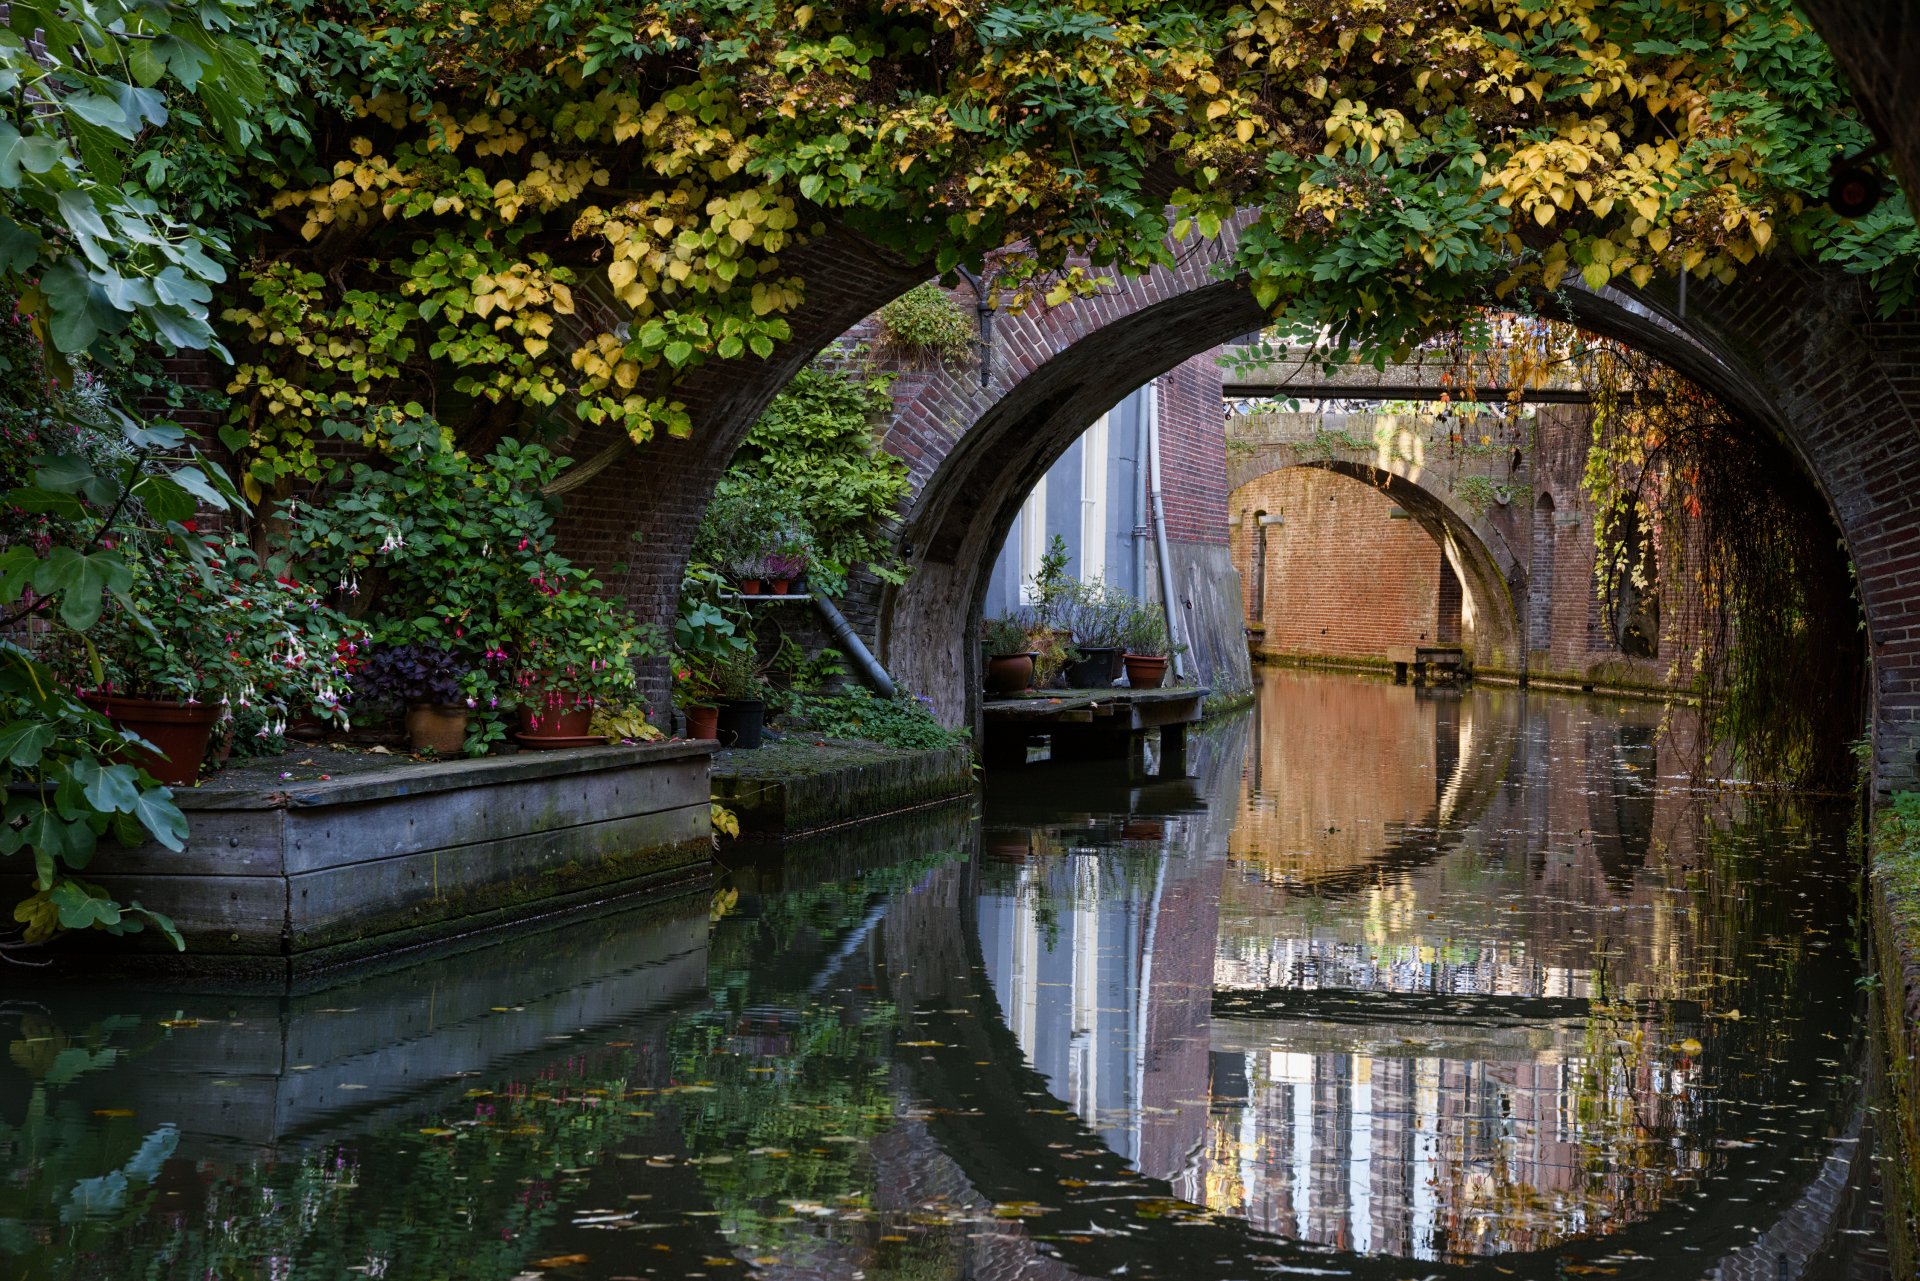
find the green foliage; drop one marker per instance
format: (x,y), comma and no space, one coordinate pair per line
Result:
(905,721)
(1145,631)
(86,246)
(1896,844)
(924,327)
(1097,613)
(811,463)
(1048,588)
(457,553)
(1007,635)
(707,632)
(116,486)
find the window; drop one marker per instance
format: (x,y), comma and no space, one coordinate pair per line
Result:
(1093,501)
(1033,538)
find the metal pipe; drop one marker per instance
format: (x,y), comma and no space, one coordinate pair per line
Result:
(983,308)
(1138,586)
(856,648)
(1160,531)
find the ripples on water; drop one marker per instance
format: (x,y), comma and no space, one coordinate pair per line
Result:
(1401,984)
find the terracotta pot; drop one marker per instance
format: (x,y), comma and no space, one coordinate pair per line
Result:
(780,586)
(701,721)
(1143,829)
(1145,671)
(442,728)
(1009,673)
(749,587)
(179,730)
(307,729)
(556,715)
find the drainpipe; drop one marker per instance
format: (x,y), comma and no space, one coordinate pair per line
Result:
(1139,584)
(1160,531)
(983,308)
(855,648)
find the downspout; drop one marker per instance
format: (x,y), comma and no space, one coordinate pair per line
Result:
(1139,584)
(855,648)
(1160,531)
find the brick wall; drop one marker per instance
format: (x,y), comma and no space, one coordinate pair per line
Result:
(1346,575)
(1193,452)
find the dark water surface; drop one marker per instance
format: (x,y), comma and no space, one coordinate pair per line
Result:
(1399,984)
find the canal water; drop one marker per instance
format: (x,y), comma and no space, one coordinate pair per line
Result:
(1396,983)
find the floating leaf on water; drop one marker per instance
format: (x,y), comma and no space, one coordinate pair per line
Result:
(561,1261)
(113,1113)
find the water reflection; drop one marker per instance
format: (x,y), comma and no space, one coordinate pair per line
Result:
(1397,979)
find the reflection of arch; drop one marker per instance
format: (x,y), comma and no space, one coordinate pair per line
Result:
(992,1114)
(1478,557)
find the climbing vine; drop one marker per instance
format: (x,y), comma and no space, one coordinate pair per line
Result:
(548,214)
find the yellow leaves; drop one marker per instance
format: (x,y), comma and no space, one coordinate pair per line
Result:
(1543,212)
(621,272)
(802,16)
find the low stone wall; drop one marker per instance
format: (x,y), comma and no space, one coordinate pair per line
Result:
(1896,942)
(804,785)
(309,873)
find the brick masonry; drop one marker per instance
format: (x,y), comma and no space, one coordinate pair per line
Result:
(1345,574)
(1348,574)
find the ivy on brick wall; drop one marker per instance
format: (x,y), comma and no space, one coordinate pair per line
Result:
(548,213)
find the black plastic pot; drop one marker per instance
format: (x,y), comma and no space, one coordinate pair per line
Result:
(740,722)
(1095,669)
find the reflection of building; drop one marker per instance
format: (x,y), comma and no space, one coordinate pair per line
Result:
(1103,967)
(1422,1157)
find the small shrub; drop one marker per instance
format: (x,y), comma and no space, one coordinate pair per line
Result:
(905,722)
(923,328)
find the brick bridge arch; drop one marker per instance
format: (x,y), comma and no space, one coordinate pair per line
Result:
(1493,577)
(1792,345)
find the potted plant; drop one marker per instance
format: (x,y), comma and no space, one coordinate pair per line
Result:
(783,568)
(1096,614)
(190,642)
(566,649)
(1009,654)
(426,681)
(705,629)
(1147,646)
(740,691)
(748,572)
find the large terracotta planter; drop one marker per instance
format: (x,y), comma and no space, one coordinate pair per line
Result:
(179,730)
(701,721)
(749,587)
(1145,671)
(780,586)
(441,728)
(1009,673)
(555,715)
